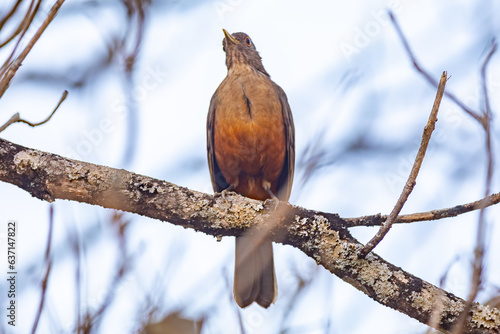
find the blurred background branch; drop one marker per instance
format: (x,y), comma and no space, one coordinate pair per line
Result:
(140,75)
(9,68)
(17,118)
(48,265)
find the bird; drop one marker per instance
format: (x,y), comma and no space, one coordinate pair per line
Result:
(251,151)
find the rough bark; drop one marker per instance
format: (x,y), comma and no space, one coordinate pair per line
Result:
(322,236)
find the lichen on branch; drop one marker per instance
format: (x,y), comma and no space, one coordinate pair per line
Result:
(322,236)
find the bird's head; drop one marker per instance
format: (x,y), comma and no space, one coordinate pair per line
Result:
(240,50)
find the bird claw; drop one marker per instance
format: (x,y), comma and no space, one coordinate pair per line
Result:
(223,194)
(273,199)
(274,202)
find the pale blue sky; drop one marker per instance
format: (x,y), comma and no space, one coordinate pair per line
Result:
(346,76)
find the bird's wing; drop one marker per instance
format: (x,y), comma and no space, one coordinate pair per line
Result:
(219,183)
(286,178)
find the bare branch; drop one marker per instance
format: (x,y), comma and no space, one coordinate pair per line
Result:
(484,119)
(377,220)
(9,14)
(136,14)
(92,320)
(487,108)
(48,263)
(14,66)
(426,74)
(322,236)
(22,28)
(479,250)
(17,118)
(75,246)
(410,183)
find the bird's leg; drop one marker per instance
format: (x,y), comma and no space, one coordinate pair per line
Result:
(225,191)
(267,186)
(228,189)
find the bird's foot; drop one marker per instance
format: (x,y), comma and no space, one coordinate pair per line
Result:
(224,192)
(275,202)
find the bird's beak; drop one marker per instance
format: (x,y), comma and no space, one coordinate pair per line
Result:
(230,37)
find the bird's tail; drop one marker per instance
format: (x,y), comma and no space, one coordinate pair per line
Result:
(254,276)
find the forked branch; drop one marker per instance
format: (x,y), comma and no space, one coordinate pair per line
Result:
(410,183)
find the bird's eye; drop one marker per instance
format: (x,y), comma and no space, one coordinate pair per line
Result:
(248,41)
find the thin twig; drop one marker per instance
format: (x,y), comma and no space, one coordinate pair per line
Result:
(136,10)
(484,119)
(487,108)
(22,28)
(92,320)
(410,183)
(377,220)
(237,310)
(7,77)
(48,263)
(74,241)
(426,74)
(479,249)
(9,14)
(17,118)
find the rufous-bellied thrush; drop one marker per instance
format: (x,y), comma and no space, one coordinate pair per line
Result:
(251,150)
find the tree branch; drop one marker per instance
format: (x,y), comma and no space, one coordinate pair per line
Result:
(426,74)
(479,250)
(48,264)
(377,220)
(322,236)
(14,66)
(17,118)
(410,183)
(485,119)
(9,14)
